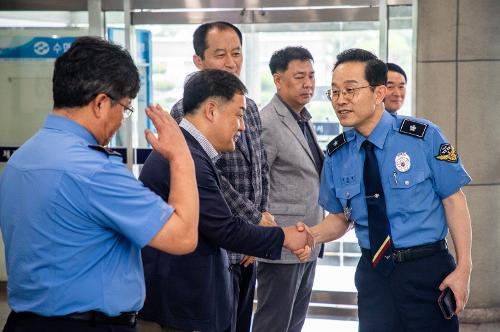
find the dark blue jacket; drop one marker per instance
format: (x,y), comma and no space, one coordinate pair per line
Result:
(194,292)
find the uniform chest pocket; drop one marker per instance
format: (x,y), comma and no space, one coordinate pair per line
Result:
(406,180)
(406,189)
(349,193)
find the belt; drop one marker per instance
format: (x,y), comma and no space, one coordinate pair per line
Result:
(96,317)
(409,254)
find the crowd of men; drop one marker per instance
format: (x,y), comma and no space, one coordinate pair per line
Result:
(91,248)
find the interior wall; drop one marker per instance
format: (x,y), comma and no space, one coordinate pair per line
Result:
(458,80)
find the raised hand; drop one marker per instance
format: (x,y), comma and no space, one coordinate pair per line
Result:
(170,142)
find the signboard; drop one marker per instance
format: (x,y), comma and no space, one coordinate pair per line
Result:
(35,48)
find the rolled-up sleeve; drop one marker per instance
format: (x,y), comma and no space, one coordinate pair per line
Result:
(119,201)
(327,198)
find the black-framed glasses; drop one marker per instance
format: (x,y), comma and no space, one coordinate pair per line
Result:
(347,93)
(127,109)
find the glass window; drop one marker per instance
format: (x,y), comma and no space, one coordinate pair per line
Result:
(400,48)
(172,61)
(323,40)
(29,44)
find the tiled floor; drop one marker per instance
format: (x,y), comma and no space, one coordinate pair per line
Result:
(324,325)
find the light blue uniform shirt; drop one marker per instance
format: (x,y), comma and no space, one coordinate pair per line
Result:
(413,194)
(73,221)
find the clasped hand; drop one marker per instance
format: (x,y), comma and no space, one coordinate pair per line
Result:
(299,240)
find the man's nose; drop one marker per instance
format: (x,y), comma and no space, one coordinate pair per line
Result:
(230,63)
(241,127)
(308,82)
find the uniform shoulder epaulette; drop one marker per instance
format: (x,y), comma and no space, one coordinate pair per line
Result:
(413,128)
(106,150)
(335,144)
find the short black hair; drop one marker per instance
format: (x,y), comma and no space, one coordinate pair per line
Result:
(394,67)
(92,66)
(208,83)
(200,35)
(281,58)
(375,71)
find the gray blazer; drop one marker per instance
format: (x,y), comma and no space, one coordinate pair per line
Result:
(294,180)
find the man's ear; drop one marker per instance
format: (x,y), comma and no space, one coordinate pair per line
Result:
(99,103)
(198,62)
(277,80)
(380,93)
(209,109)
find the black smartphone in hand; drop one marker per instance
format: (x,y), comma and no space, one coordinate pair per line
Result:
(447,304)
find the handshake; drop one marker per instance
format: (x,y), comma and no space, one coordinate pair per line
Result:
(298,238)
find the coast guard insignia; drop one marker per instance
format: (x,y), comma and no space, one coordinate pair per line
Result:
(447,153)
(402,162)
(336,143)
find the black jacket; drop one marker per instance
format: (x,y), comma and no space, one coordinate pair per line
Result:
(194,291)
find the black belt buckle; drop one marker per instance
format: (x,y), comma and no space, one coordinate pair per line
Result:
(400,255)
(132,319)
(126,318)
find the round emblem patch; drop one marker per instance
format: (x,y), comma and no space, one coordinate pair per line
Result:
(402,162)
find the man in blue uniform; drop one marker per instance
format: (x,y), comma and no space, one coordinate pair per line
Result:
(398,180)
(74,218)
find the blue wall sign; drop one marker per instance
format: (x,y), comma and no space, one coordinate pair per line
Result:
(37,48)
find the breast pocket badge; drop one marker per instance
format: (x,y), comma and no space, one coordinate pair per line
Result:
(402,162)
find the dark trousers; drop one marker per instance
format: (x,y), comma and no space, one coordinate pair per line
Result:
(406,301)
(35,323)
(243,293)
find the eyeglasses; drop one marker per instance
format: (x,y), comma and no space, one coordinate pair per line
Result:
(127,110)
(347,93)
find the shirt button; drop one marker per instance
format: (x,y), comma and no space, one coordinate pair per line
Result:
(407,182)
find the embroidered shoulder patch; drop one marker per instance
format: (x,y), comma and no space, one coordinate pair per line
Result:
(335,144)
(105,150)
(447,153)
(413,128)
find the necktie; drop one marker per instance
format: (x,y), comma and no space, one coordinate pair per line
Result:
(378,224)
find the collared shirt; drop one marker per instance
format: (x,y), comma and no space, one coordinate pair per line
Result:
(200,138)
(302,118)
(73,220)
(414,180)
